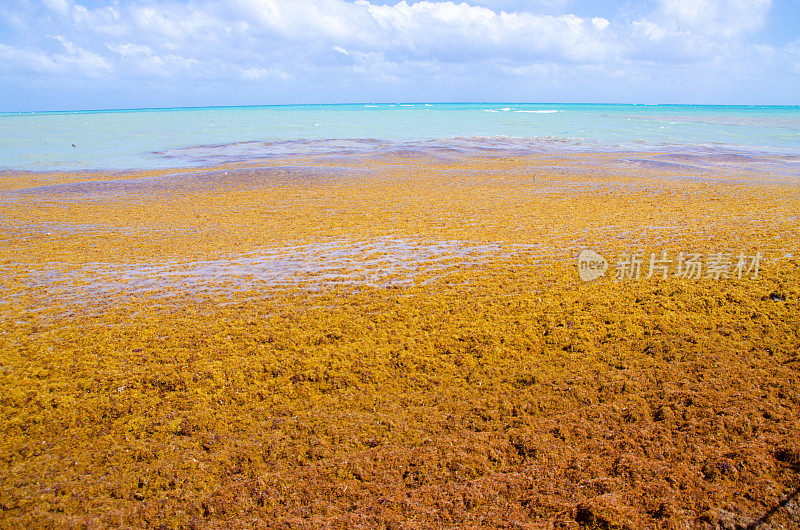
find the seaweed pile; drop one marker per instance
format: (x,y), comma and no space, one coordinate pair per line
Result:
(398,342)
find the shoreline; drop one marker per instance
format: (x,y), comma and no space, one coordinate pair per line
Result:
(200,157)
(691,158)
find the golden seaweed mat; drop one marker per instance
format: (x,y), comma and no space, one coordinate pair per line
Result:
(397,341)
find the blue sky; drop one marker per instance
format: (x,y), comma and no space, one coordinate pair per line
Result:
(93,54)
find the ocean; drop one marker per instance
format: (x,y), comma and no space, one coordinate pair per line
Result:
(177,137)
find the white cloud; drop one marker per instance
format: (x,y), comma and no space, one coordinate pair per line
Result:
(256,73)
(696,30)
(726,19)
(429,29)
(76,60)
(176,37)
(61,6)
(532,6)
(106,20)
(276,41)
(131,50)
(600,23)
(139,59)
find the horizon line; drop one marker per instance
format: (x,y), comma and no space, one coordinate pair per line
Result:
(204,107)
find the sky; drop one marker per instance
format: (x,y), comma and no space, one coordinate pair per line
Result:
(104,54)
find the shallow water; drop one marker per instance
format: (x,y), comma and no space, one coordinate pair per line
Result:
(157,138)
(191,180)
(379,262)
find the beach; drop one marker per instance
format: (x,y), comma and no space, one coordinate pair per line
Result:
(407,264)
(401,337)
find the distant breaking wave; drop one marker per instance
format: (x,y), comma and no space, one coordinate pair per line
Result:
(508,109)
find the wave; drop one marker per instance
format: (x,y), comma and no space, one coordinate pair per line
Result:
(508,109)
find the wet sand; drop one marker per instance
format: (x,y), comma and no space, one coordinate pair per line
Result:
(399,340)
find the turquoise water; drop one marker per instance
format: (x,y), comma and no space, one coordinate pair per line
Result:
(152,138)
